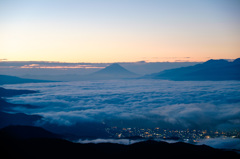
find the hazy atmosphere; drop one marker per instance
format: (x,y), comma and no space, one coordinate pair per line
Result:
(156,78)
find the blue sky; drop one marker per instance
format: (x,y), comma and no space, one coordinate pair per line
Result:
(119,30)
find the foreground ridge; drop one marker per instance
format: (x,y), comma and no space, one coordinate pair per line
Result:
(49,146)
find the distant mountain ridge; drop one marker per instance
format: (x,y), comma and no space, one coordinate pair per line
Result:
(113,71)
(5,79)
(12,92)
(7,119)
(213,70)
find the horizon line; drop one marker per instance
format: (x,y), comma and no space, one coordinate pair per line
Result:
(143,61)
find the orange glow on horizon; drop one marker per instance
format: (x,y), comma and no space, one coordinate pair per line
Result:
(128,31)
(59,67)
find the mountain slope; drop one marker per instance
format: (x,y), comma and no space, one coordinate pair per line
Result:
(12,92)
(15,143)
(27,132)
(114,71)
(5,79)
(210,70)
(7,119)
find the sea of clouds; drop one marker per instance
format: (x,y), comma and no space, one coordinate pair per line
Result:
(136,103)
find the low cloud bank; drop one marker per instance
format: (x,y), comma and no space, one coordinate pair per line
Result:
(219,143)
(116,141)
(139,103)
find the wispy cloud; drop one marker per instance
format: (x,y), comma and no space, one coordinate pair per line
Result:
(48,65)
(59,67)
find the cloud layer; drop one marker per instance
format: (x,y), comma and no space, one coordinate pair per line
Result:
(143,103)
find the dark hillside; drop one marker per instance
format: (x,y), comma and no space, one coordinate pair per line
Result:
(51,147)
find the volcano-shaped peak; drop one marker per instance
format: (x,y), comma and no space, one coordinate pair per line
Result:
(114,71)
(115,67)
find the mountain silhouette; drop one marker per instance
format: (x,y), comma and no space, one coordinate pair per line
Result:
(27,132)
(13,92)
(5,79)
(5,106)
(213,70)
(113,71)
(7,119)
(34,142)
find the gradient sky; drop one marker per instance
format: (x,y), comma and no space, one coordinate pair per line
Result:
(119,30)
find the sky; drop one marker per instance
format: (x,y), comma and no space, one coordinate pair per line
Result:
(119,30)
